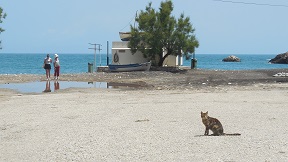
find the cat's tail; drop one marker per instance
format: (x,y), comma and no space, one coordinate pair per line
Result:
(231,134)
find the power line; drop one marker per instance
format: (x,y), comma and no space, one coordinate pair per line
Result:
(128,23)
(133,18)
(251,3)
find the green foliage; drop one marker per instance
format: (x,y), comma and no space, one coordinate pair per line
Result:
(2,16)
(159,30)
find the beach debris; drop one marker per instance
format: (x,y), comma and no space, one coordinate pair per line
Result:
(282,74)
(142,120)
(159,88)
(231,58)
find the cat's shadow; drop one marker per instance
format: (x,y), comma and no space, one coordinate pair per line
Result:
(204,135)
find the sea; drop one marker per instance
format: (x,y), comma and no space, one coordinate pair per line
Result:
(26,63)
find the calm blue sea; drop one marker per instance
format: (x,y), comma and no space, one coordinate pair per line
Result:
(78,63)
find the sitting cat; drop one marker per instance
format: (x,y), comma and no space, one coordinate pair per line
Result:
(214,125)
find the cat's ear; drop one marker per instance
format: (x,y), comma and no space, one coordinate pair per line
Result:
(207,112)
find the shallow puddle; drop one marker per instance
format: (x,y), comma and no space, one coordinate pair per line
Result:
(52,86)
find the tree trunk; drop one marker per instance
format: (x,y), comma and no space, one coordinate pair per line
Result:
(160,63)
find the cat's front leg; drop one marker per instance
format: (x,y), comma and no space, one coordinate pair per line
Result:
(206,131)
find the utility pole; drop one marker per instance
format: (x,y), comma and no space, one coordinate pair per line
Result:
(95,48)
(99,48)
(107,53)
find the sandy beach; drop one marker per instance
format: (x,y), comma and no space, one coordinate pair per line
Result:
(159,120)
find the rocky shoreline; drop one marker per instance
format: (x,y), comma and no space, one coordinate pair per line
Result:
(166,78)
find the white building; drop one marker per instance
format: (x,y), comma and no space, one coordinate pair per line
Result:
(121,54)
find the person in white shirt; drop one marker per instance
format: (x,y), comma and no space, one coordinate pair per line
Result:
(56,67)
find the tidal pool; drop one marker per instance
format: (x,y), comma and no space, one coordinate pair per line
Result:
(52,86)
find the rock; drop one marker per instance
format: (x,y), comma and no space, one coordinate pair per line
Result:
(280,59)
(281,75)
(231,58)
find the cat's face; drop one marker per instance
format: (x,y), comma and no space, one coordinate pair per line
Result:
(204,115)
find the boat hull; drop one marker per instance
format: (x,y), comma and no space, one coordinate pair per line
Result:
(130,67)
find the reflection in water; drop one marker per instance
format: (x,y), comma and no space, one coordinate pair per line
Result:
(99,84)
(56,85)
(37,87)
(47,87)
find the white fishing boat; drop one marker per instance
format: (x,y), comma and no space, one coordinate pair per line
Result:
(130,67)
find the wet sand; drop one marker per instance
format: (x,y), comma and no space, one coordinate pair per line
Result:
(158,122)
(166,78)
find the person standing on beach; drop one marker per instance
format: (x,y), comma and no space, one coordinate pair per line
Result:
(47,66)
(56,67)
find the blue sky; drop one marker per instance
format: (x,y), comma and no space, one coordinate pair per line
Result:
(67,26)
